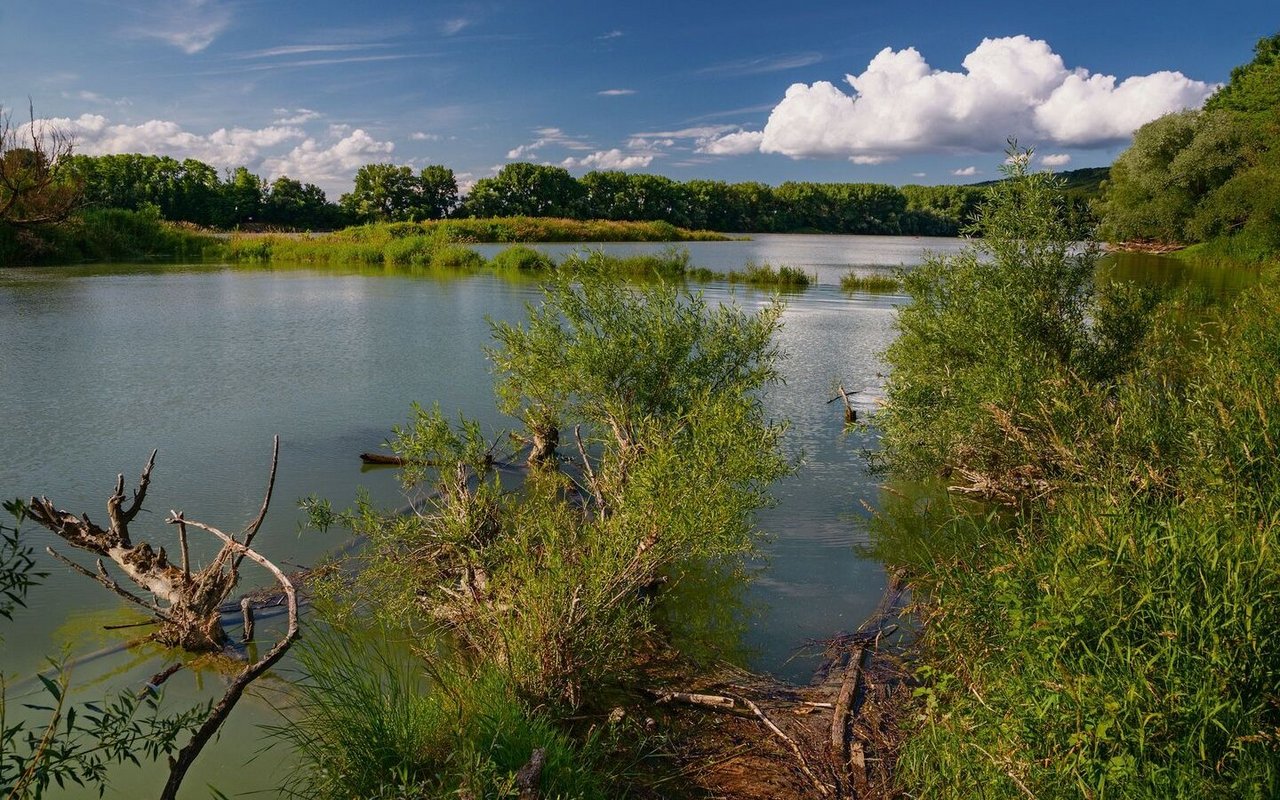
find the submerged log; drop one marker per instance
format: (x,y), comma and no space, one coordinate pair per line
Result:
(382,458)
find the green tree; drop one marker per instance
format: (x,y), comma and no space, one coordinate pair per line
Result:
(989,330)
(438,193)
(523,189)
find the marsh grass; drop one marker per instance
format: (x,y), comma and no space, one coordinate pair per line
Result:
(766,275)
(873,284)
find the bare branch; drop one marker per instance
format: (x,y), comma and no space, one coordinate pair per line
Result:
(187,756)
(252,530)
(103,578)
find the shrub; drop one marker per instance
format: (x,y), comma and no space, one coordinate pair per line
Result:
(524,259)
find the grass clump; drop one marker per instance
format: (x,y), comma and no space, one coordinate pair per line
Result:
(553,229)
(1116,632)
(522,259)
(766,275)
(103,235)
(671,264)
(370,720)
(873,284)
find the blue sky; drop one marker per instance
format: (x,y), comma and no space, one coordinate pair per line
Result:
(742,90)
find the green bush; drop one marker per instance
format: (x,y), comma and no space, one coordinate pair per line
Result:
(524,259)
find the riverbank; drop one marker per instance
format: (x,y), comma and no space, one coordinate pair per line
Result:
(1111,628)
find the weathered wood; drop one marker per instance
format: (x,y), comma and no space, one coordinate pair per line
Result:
(695,698)
(179,765)
(382,458)
(246,615)
(188,608)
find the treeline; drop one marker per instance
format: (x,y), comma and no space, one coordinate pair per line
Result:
(192,191)
(1211,175)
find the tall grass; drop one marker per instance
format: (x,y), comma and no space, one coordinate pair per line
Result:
(1116,633)
(767,275)
(369,720)
(874,284)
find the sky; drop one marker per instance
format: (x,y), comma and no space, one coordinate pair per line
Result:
(747,90)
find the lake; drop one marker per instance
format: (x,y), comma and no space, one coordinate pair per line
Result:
(101,364)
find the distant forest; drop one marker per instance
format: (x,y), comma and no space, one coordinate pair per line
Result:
(192,191)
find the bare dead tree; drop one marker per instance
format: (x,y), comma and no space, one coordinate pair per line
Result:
(34,189)
(185,604)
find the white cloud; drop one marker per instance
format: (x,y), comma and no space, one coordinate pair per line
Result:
(733,144)
(452,27)
(610,159)
(762,66)
(919,174)
(421,136)
(295,116)
(303,49)
(547,137)
(610,35)
(1013,86)
(965,172)
(335,161)
(615,92)
(189,25)
(226,147)
(1055,159)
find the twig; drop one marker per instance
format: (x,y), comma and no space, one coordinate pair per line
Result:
(104,579)
(252,530)
(694,698)
(822,788)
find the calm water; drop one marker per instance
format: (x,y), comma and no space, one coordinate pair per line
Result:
(206,363)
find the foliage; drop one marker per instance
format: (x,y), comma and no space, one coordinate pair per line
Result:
(552,584)
(1214,174)
(523,189)
(1122,641)
(389,193)
(988,328)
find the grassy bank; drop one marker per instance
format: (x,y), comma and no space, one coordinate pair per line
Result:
(103,235)
(1114,632)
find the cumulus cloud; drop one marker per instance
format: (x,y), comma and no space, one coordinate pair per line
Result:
(322,162)
(226,147)
(965,172)
(295,116)
(1016,85)
(615,92)
(610,159)
(733,144)
(189,25)
(1055,159)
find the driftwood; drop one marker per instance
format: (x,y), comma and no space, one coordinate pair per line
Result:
(189,617)
(179,765)
(850,413)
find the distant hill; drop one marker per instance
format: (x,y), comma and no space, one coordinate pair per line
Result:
(1086,181)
